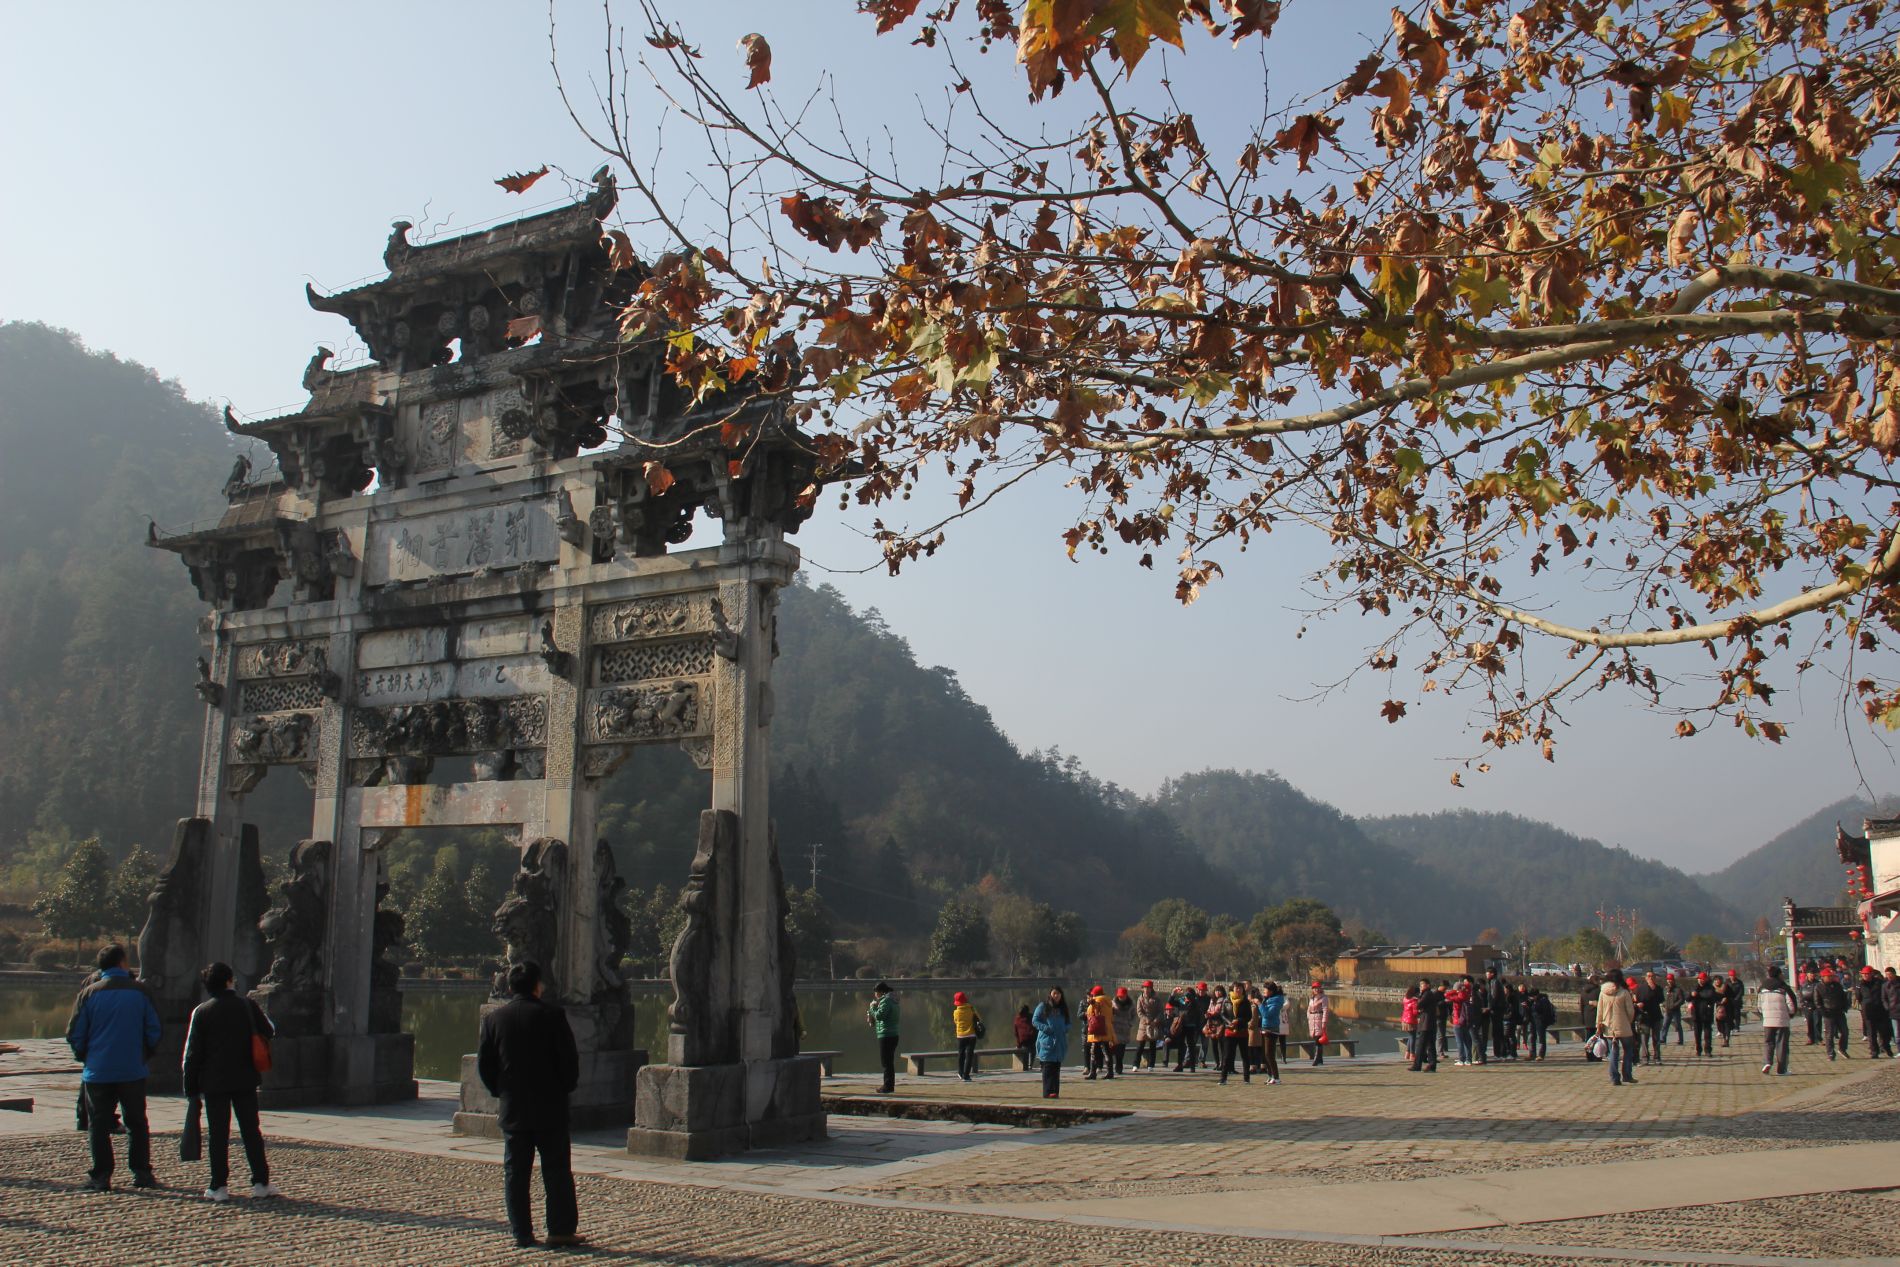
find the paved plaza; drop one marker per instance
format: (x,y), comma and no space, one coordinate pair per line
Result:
(1358,1162)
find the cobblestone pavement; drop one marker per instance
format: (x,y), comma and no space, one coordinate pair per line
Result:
(1371,1119)
(400,1190)
(1822,1225)
(384,1209)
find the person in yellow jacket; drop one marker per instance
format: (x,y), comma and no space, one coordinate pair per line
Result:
(964,1017)
(1101,1034)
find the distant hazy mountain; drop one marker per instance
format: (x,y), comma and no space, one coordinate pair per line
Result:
(1799,863)
(1537,877)
(1277,843)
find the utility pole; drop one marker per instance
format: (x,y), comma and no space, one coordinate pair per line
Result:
(814,849)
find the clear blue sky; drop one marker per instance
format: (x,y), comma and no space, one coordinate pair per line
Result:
(170,176)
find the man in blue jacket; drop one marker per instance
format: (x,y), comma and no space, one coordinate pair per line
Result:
(113,1032)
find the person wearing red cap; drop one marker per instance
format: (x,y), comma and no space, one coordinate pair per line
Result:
(1099,1030)
(1874,1025)
(1148,1026)
(1832,997)
(969,1027)
(1702,1003)
(1805,991)
(1673,1000)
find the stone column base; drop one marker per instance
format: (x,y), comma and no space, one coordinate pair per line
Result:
(697,1112)
(339,1069)
(604,1096)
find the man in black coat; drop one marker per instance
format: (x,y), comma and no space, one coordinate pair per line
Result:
(1497,1005)
(1832,996)
(220,1066)
(528,1062)
(1425,1041)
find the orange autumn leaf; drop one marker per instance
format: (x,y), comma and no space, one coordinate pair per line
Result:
(520,182)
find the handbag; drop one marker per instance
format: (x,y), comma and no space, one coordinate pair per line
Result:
(982,1030)
(260,1046)
(191,1141)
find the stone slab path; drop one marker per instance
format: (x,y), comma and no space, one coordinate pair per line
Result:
(1357,1162)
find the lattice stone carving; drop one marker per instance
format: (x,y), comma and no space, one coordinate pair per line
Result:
(644,618)
(270,696)
(293,657)
(643,661)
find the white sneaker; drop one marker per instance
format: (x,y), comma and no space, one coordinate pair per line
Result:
(217,1194)
(262,1190)
(1764,1068)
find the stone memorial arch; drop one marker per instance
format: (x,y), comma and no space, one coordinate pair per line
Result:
(459,601)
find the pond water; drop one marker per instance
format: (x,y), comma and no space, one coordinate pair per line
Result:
(446,1021)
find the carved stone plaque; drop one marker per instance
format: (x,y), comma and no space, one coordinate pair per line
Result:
(655,711)
(456,542)
(648,618)
(292,657)
(444,679)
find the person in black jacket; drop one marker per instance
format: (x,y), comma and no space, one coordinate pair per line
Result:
(219,1066)
(1425,1039)
(1702,1004)
(1874,1024)
(1832,997)
(1649,1018)
(528,1061)
(1497,1004)
(1673,1001)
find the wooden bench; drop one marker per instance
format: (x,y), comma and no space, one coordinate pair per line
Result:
(915,1062)
(1334,1047)
(824,1059)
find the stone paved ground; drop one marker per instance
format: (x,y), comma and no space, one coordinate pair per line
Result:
(384,1209)
(413,1195)
(1371,1120)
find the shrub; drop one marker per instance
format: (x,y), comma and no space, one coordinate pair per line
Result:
(48,958)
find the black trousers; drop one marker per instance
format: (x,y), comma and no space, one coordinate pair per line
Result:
(1232,1047)
(887,1060)
(1425,1048)
(1120,1056)
(1835,1022)
(1052,1077)
(1814,1026)
(128,1098)
(557,1180)
(1704,1036)
(1145,1049)
(1879,1033)
(218,1112)
(966,1058)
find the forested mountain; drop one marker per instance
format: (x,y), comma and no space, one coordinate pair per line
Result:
(1798,864)
(98,724)
(1279,843)
(1535,877)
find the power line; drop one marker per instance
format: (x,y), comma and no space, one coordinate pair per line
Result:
(814,849)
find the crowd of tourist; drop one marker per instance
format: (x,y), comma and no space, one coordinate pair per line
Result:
(1245,1028)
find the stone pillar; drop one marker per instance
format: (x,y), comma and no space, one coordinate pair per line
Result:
(597,1007)
(220,801)
(733,1079)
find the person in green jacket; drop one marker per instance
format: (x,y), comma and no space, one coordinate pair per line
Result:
(881,1016)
